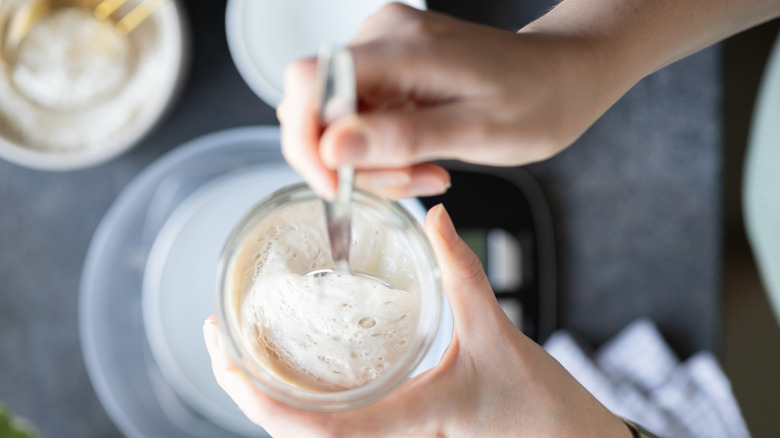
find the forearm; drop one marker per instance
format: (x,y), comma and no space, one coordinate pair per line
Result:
(633,38)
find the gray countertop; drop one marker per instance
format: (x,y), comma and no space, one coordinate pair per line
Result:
(636,204)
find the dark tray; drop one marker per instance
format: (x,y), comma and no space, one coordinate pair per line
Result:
(484,199)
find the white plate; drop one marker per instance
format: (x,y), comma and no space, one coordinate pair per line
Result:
(123,371)
(178,292)
(761,185)
(264,36)
(153,255)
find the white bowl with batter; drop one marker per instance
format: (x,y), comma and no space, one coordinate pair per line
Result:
(335,342)
(80,93)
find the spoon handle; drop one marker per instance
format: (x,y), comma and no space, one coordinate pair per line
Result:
(336,70)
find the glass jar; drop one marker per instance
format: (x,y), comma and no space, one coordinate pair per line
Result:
(423,277)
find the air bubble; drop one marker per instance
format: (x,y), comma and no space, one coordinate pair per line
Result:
(367,323)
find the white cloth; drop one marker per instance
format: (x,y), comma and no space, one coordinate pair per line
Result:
(637,376)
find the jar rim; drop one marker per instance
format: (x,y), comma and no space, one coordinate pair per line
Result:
(265,380)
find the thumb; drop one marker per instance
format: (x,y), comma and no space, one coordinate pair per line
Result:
(463,279)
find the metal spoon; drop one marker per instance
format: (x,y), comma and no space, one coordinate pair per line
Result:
(336,71)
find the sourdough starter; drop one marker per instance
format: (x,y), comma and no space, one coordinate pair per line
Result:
(331,333)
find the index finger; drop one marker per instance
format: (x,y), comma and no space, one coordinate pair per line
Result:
(301,127)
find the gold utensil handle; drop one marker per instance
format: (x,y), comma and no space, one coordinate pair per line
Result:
(132,19)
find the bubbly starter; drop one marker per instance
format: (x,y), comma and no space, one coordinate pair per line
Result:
(331,333)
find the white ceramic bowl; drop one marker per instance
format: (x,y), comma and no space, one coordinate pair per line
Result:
(264,36)
(169,22)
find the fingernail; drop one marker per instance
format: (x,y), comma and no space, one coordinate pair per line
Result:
(428,187)
(211,336)
(352,146)
(445,226)
(387,179)
(233,382)
(323,185)
(325,192)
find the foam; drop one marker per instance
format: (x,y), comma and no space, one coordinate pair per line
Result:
(326,333)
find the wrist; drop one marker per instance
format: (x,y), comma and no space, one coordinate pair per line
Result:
(581,74)
(605,54)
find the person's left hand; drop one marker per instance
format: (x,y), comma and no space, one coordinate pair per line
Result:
(492,380)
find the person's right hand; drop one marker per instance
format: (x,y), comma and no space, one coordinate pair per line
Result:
(434,87)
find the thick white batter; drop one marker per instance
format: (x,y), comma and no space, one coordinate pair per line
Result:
(78,84)
(70,59)
(331,333)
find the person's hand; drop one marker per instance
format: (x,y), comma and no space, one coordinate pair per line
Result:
(492,380)
(434,87)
